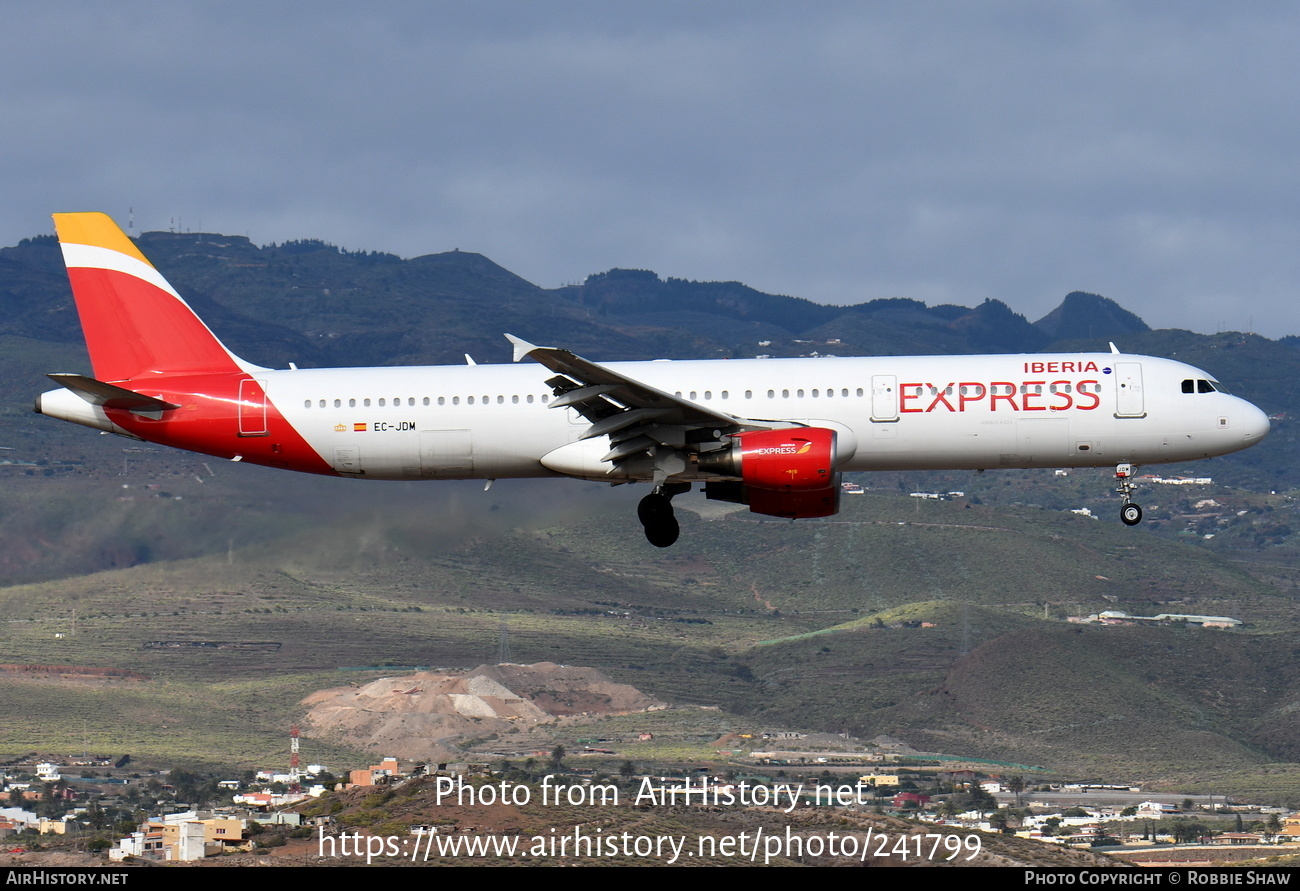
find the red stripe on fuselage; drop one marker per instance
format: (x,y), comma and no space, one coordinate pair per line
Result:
(208,422)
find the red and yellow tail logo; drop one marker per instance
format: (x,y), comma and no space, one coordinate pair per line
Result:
(135,323)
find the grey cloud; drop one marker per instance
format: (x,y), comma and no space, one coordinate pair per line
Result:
(840,152)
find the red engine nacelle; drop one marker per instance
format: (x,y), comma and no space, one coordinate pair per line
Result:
(784,473)
(797,458)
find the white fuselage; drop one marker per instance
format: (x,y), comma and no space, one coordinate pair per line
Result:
(891,413)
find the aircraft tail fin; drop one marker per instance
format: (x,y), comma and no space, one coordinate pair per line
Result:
(135,323)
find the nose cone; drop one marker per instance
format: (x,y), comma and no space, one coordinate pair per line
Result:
(1254,422)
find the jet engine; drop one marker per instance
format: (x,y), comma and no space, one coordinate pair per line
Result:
(782,473)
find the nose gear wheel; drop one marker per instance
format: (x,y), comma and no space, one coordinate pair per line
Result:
(1130,513)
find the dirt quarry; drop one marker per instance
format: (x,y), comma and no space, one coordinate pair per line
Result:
(423,716)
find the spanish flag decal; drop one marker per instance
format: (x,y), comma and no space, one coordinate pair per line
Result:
(359,428)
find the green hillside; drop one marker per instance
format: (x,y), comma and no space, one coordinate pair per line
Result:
(773,620)
(236,590)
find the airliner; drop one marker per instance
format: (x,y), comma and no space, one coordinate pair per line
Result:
(773,434)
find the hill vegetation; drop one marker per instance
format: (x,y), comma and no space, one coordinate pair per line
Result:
(939,622)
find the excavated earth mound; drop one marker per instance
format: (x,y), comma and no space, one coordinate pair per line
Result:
(421,717)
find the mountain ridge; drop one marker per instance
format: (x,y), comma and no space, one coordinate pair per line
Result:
(317,305)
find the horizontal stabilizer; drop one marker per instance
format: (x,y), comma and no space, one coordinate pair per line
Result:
(99,393)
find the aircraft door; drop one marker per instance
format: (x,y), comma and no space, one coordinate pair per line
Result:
(884,398)
(1042,441)
(446,454)
(252,408)
(1128,390)
(347,459)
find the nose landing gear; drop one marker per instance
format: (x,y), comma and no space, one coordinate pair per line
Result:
(1130,514)
(656,514)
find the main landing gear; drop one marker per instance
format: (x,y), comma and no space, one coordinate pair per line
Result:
(656,514)
(1130,514)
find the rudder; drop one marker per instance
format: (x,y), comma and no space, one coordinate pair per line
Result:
(135,323)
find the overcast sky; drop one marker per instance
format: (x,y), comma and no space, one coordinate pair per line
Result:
(841,152)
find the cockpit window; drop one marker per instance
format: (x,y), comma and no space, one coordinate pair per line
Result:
(1203,386)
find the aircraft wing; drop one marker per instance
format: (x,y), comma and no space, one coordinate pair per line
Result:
(638,418)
